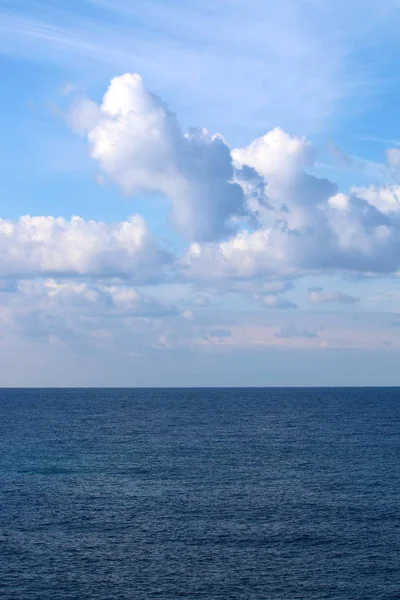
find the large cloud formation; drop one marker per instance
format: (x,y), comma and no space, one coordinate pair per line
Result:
(255,219)
(138,143)
(247,212)
(305,224)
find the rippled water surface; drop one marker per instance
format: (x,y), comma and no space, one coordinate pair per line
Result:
(216,494)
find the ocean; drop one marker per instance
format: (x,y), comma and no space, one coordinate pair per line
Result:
(267,494)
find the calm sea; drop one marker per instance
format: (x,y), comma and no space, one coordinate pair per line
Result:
(215,493)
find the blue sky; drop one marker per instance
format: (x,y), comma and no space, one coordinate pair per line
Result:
(261,247)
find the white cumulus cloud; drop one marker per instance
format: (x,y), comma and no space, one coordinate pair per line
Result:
(138,144)
(56,246)
(276,155)
(385,198)
(251,213)
(71,294)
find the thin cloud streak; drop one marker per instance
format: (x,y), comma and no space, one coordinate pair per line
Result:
(292,65)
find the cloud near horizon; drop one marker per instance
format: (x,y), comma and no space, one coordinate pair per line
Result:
(320,296)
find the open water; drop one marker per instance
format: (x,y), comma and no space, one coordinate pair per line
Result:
(267,494)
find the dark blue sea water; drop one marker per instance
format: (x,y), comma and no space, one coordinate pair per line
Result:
(217,494)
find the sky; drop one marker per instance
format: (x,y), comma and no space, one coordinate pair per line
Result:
(199,194)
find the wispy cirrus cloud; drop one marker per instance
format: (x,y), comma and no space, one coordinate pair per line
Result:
(373,169)
(293,63)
